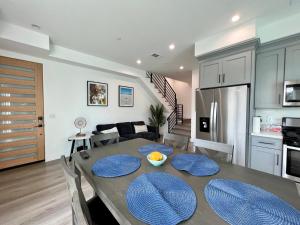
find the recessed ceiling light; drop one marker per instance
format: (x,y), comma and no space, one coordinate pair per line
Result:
(235,18)
(171,46)
(138,61)
(181,67)
(35,26)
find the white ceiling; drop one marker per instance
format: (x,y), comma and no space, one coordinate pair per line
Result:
(144,26)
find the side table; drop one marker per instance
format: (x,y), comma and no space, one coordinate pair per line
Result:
(75,138)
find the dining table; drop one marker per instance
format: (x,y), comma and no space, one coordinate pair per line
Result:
(112,191)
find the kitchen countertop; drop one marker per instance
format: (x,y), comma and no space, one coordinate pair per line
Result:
(268,134)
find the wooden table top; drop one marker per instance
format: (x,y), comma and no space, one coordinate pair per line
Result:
(112,191)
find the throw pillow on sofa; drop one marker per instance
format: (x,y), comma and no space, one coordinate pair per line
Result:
(140,128)
(112,130)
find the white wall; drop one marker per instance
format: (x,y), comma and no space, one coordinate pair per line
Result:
(65,98)
(280,28)
(184,94)
(226,38)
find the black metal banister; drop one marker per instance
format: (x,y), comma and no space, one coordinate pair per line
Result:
(169,94)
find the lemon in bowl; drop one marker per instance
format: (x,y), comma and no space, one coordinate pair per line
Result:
(156,158)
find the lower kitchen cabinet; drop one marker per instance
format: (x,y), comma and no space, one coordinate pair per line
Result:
(264,158)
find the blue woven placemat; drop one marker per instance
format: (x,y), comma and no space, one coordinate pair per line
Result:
(116,165)
(160,199)
(239,203)
(164,149)
(197,165)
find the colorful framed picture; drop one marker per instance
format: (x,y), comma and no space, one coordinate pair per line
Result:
(97,94)
(126,96)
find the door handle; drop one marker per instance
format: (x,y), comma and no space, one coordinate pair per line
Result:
(215,121)
(40,122)
(279,99)
(211,120)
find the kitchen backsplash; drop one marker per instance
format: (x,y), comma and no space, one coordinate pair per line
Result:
(274,116)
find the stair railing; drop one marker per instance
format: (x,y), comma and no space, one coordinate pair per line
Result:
(180,113)
(163,86)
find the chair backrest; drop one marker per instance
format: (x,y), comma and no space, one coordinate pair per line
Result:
(176,141)
(79,206)
(78,215)
(215,146)
(101,140)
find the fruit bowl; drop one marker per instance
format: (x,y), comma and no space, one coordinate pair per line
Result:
(155,162)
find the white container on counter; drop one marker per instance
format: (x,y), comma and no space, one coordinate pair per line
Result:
(256,124)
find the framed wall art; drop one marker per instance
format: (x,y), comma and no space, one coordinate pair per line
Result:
(126,96)
(97,94)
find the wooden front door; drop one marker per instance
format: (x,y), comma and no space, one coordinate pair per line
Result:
(21,112)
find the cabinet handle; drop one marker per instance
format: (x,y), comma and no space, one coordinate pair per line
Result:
(223,77)
(219,81)
(279,99)
(266,143)
(277,159)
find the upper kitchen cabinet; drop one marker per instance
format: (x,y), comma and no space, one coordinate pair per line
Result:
(210,74)
(227,71)
(228,66)
(292,69)
(236,69)
(269,79)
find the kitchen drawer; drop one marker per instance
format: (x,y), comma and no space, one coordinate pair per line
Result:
(267,142)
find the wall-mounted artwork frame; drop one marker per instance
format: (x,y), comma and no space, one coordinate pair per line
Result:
(126,96)
(97,93)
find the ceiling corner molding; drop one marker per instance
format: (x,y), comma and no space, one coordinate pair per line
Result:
(75,57)
(23,37)
(26,41)
(250,44)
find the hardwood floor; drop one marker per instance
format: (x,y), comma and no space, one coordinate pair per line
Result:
(36,195)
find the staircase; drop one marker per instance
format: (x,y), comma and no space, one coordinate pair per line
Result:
(183,128)
(169,96)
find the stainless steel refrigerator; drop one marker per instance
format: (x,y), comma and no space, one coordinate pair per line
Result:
(222,116)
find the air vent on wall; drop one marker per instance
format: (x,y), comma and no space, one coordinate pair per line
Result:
(155,55)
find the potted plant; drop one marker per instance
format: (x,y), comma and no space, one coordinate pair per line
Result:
(157,118)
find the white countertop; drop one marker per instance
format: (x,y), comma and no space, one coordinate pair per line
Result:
(268,134)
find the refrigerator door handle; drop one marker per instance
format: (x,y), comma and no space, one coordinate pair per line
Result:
(211,121)
(215,121)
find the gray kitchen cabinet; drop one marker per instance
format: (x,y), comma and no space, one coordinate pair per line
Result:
(263,159)
(227,71)
(292,67)
(266,155)
(269,79)
(278,161)
(210,74)
(236,69)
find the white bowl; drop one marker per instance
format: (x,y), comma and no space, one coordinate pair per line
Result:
(157,163)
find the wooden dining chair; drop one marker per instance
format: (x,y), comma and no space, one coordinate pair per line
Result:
(298,188)
(214,149)
(91,212)
(176,141)
(100,140)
